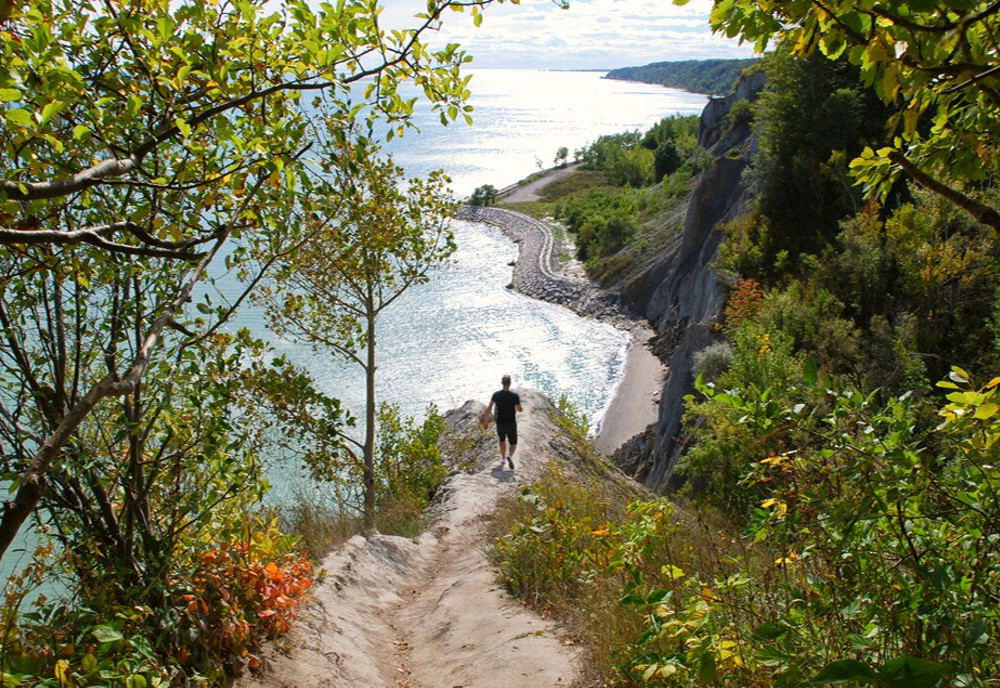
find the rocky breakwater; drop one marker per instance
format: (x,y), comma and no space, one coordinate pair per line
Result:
(534,274)
(676,288)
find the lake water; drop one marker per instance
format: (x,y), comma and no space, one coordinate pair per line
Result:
(451,339)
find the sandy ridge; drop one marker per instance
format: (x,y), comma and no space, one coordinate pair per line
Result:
(429,613)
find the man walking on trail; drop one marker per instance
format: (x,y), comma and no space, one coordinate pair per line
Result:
(507,404)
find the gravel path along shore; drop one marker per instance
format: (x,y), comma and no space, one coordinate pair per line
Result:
(533,272)
(635,403)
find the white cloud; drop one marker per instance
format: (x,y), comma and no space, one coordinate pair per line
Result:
(591,34)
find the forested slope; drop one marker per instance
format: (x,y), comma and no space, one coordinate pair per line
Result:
(698,76)
(829,432)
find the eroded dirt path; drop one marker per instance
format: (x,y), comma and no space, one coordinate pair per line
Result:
(428,613)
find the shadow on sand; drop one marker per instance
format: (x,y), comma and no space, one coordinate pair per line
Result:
(504,475)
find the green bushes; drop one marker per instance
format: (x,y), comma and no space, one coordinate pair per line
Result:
(634,160)
(409,468)
(603,221)
(870,551)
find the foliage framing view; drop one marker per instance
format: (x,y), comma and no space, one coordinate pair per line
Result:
(143,143)
(937,61)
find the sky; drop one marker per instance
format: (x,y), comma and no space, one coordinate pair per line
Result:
(591,34)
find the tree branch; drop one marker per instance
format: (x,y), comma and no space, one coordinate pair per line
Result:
(982,213)
(95,237)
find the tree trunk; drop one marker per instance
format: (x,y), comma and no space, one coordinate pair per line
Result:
(369,472)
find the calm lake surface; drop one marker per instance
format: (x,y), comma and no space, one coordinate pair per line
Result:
(450,340)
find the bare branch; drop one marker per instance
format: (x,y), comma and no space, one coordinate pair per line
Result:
(95,237)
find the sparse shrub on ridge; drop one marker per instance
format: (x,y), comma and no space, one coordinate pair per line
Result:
(712,361)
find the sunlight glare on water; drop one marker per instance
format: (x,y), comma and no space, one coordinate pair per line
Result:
(451,339)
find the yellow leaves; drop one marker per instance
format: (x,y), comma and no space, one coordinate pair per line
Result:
(789,558)
(877,51)
(776,459)
(728,652)
(61,672)
(673,571)
(781,508)
(987,410)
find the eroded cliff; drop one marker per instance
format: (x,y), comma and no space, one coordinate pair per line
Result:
(677,289)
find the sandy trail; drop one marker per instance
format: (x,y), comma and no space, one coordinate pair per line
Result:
(428,613)
(532,191)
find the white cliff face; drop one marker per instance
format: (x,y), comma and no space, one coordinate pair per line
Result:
(679,292)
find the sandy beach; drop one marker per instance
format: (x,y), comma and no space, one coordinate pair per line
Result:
(635,403)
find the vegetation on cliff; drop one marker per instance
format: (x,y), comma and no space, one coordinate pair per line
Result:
(841,463)
(613,205)
(698,76)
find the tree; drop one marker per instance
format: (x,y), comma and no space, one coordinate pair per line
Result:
(484,195)
(666,160)
(562,155)
(937,61)
(141,141)
(332,290)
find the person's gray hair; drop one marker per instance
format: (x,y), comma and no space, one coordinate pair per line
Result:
(505,381)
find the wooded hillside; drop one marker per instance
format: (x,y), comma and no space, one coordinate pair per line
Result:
(699,76)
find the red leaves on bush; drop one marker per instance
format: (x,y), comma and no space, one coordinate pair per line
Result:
(238,597)
(745,300)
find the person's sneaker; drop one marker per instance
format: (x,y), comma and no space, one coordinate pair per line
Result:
(510,462)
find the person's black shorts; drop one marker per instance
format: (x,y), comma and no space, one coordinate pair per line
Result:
(508,432)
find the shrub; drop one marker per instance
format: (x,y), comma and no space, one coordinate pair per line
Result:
(484,195)
(869,555)
(712,361)
(409,468)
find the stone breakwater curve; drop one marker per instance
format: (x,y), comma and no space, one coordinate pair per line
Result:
(534,275)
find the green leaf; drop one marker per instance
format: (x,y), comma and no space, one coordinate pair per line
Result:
(19,116)
(845,671)
(106,634)
(9,95)
(134,105)
(51,110)
(658,596)
(910,672)
(810,372)
(769,631)
(81,132)
(706,668)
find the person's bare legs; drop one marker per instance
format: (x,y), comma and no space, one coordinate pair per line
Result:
(503,451)
(510,457)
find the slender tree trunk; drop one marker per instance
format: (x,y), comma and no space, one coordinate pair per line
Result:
(369,473)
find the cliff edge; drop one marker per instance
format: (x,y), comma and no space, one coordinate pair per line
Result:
(676,288)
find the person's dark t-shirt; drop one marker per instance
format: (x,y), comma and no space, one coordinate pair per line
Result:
(506,401)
